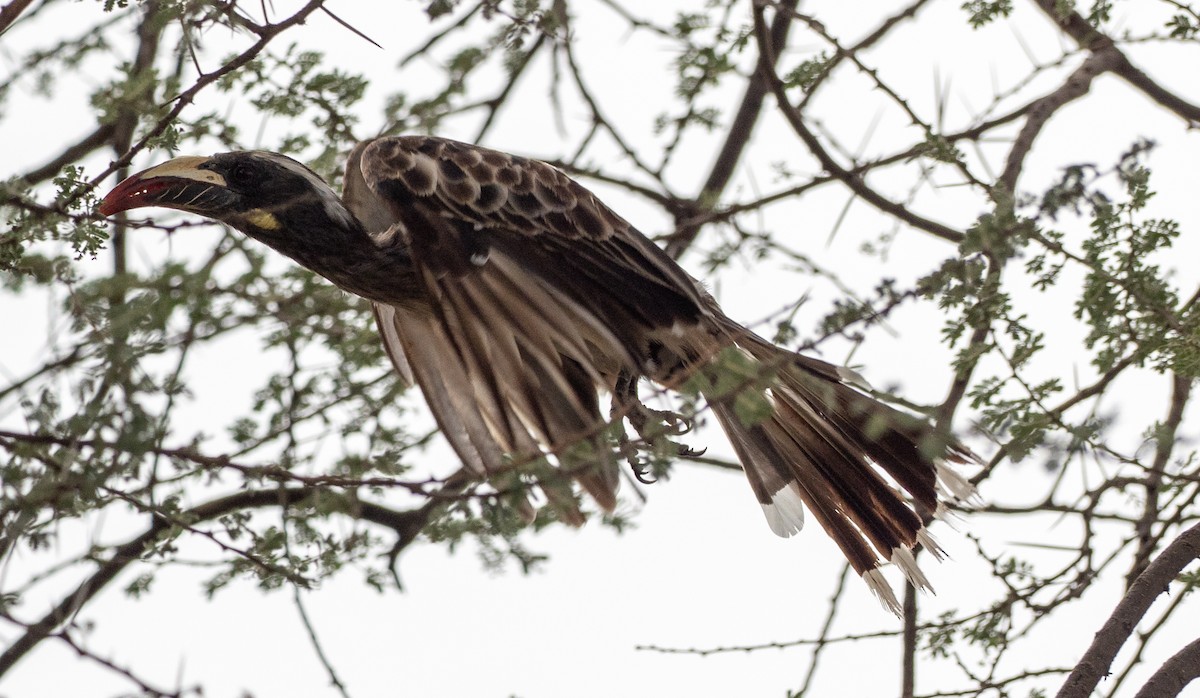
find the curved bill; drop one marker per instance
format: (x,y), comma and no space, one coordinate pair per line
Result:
(178,183)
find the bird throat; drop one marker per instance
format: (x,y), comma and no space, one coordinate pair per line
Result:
(261,218)
(340,249)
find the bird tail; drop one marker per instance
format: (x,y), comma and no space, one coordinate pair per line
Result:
(806,435)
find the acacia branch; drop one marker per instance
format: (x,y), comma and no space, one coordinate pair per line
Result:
(866,42)
(597,113)
(1165,435)
(1092,39)
(266,34)
(974,133)
(406,524)
(72,153)
(514,75)
(1175,673)
(826,629)
(1037,115)
(908,652)
(738,136)
(1039,112)
(146,689)
(1144,641)
(1096,662)
(848,177)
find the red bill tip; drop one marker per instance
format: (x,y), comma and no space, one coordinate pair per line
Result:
(130,194)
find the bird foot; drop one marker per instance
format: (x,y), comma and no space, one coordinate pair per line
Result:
(654,429)
(655,426)
(659,422)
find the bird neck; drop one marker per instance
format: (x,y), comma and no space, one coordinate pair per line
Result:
(328,239)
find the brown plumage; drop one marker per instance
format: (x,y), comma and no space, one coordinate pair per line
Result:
(513,297)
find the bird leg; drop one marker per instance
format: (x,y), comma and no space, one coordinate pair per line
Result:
(624,396)
(652,426)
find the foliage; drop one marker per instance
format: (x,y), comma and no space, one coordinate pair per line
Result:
(323,469)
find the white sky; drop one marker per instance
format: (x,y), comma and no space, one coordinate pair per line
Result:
(701,569)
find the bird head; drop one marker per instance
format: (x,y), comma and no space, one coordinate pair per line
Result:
(261,194)
(280,202)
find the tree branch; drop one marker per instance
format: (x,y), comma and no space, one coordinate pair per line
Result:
(1092,39)
(1039,112)
(266,34)
(738,136)
(826,629)
(1165,435)
(1175,673)
(1154,581)
(72,153)
(855,182)
(908,677)
(405,523)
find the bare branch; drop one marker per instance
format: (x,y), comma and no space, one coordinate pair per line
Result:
(1090,38)
(855,182)
(826,629)
(1175,674)
(1040,111)
(1095,663)
(72,153)
(738,135)
(908,676)
(1165,436)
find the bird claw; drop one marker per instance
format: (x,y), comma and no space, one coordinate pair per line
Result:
(651,423)
(675,424)
(632,456)
(653,427)
(641,473)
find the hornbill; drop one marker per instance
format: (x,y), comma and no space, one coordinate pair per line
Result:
(512,296)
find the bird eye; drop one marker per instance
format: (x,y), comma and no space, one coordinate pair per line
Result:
(241,173)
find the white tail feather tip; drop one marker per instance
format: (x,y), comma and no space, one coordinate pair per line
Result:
(883,591)
(930,545)
(903,558)
(955,485)
(785,513)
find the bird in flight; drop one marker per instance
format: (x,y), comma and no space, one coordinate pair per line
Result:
(513,297)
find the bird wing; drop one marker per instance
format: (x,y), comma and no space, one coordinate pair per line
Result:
(485,201)
(537,295)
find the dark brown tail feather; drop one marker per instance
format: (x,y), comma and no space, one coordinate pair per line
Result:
(824,444)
